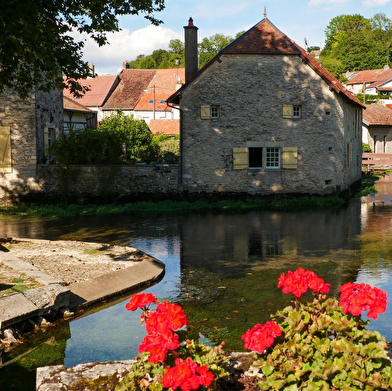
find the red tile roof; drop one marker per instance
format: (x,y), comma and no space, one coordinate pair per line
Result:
(165,126)
(265,38)
(368,76)
(382,78)
(69,104)
(100,87)
(134,83)
(377,115)
(145,105)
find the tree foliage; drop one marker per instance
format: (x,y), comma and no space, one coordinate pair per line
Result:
(163,59)
(36,42)
(356,43)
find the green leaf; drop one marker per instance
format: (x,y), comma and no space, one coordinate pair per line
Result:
(267,370)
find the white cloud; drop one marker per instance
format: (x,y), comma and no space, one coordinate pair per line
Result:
(318,2)
(125,45)
(372,3)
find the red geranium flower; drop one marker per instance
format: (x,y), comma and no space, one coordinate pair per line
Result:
(140,300)
(261,337)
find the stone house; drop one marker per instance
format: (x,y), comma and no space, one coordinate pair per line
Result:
(27,128)
(377,128)
(264,117)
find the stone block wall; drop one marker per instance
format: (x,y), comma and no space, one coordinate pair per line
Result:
(27,120)
(81,183)
(250,91)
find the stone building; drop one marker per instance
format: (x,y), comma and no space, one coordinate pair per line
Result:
(27,127)
(377,128)
(264,117)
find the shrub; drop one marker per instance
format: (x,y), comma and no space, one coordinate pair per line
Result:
(366,148)
(324,343)
(119,139)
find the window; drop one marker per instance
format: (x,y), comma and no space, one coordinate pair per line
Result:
(214,111)
(162,102)
(290,111)
(151,101)
(296,111)
(255,157)
(210,112)
(272,158)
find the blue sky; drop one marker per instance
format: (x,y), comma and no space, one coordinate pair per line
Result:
(296,18)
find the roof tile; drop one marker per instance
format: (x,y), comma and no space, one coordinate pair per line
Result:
(165,126)
(378,115)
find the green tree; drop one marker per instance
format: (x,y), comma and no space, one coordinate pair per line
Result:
(209,47)
(356,43)
(36,42)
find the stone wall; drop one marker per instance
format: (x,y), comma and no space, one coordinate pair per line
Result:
(85,182)
(27,120)
(250,92)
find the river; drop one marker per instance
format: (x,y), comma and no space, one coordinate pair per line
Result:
(221,267)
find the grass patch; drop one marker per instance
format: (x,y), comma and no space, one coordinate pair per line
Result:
(68,210)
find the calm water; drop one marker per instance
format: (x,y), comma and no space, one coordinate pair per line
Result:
(222,268)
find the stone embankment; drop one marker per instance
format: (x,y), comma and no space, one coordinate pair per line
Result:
(69,276)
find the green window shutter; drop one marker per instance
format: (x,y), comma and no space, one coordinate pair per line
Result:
(205,112)
(289,157)
(5,149)
(240,158)
(287,111)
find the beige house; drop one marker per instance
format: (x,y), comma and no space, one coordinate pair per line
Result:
(263,117)
(77,116)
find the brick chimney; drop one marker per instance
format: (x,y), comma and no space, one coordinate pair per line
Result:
(191,53)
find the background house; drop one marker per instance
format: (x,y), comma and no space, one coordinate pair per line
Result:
(377,128)
(263,117)
(143,93)
(100,89)
(77,116)
(371,82)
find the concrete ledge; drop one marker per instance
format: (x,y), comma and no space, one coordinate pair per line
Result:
(115,283)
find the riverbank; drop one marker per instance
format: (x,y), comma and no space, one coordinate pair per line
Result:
(237,204)
(64,276)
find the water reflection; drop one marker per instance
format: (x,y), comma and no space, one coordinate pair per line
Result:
(223,268)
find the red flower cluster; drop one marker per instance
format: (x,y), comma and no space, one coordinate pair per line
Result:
(187,375)
(355,298)
(300,281)
(140,300)
(261,336)
(160,325)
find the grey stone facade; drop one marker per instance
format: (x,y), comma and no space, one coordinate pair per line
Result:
(26,120)
(251,105)
(250,84)
(79,183)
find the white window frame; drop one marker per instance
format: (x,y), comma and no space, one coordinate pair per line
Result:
(272,157)
(297,111)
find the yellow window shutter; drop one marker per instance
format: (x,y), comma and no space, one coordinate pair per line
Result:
(205,112)
(350,154)
(5,149)
(46,138)
(240,158)
(290,157)
(287,111)
(56,133)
